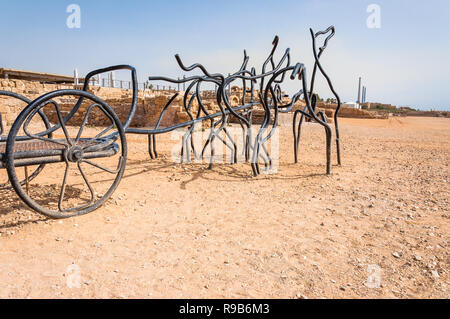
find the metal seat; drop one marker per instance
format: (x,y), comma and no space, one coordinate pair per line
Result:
(36,152)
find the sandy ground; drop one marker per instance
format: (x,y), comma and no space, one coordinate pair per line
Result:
(377,227)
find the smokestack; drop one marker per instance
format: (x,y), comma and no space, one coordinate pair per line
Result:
(359,92)
(363,94)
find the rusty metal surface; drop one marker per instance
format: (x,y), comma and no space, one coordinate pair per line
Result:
(33,145)
(38,145)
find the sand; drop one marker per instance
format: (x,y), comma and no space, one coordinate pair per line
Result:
(378,227)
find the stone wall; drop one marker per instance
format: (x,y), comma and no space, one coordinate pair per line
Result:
(150,103)
(10,108)
(350,112)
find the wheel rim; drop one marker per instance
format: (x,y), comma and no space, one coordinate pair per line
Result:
(37,170)
(84,177)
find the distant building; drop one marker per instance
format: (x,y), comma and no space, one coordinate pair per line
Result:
(352,105)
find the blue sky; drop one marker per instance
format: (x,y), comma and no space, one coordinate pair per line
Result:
(405,62)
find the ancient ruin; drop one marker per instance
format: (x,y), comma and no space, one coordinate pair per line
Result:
(74,127)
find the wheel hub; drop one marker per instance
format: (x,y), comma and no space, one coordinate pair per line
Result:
(74,154)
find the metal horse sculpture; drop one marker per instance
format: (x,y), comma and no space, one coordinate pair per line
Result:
(269,97)
(69,145)
(313,98)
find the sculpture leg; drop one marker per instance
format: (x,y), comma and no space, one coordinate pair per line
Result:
(150,147)
(268,162)
(338,147)
(154,145)
(192,143)
(182,151)
(297,133)
(328,135)
(234,150)
(208,141)
(244,141)
(211,160)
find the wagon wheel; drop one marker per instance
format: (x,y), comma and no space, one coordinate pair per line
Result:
(87,153)
(32,174)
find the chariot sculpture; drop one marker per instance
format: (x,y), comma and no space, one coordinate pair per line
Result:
(94,158)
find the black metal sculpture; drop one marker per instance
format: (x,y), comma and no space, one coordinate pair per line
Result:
(269,98)
(67,143)
(317,65)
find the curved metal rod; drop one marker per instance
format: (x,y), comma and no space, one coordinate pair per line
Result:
(4,138)
(85,88)
(323,123)
(134,81)
(321,50)
(151,137)
(330,84)
(158,123)
(28,101)
(272,98)
(199,66)
(38,136)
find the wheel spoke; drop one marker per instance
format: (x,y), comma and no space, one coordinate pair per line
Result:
(63,188)
(83,124)
(45,139)
(91,190)
(92,140)
(63,125)
(105,168)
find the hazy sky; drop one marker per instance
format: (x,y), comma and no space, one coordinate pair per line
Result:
(405,62)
